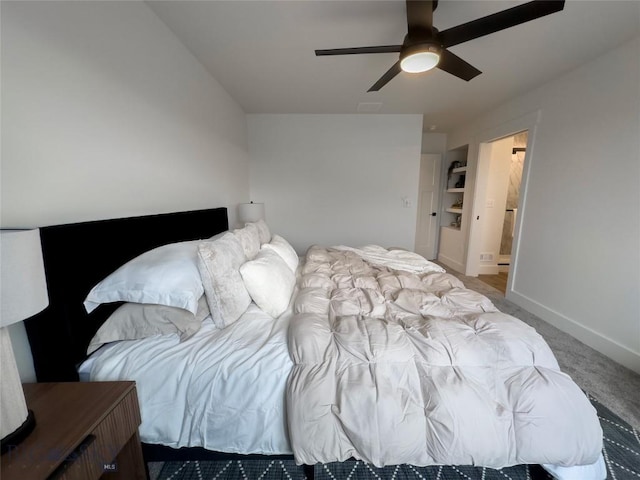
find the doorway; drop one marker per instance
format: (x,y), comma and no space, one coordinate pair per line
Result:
(502,168)
(486,141)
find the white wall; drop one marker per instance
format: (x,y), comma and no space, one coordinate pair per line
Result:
(578,263)
(105,114)
(434,143)
(337,179)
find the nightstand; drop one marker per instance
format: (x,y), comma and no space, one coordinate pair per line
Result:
(83,430)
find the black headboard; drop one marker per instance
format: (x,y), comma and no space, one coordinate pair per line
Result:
(76,257)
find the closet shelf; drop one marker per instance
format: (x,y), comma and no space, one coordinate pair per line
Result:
(455,190)
(454,210)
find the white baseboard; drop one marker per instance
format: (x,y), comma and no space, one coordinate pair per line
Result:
(451,263)
(612,349)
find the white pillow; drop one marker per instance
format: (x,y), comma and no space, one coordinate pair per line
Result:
(133,321)
(219,262)
(269,281)
(167,275)
(249,239)
(285,250)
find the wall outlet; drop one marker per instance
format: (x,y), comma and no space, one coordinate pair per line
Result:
(486,257)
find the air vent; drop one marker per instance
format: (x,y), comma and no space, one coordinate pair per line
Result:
(369,107)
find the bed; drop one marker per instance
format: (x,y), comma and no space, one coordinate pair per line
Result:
(371,353)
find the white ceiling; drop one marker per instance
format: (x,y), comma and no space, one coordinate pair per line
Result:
(262,52)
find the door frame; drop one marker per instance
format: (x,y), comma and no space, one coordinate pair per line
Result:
(527,122)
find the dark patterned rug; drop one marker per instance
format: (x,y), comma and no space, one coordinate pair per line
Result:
(621,453)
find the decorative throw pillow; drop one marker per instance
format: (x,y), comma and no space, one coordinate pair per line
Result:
(249,239)
(219,262)
(133,321)
(167,275)
(285,250)
(269,281)
(263,231)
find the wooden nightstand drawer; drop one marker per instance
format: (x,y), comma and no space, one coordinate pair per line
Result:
(82,431)
(104,443)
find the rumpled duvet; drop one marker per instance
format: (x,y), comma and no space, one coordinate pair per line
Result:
(398,364)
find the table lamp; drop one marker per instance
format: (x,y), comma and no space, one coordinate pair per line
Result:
(23,293)
(250,212)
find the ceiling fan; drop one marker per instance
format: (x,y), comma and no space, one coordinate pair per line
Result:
(424,47)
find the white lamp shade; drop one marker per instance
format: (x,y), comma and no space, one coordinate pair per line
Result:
(250,212)
(23,287)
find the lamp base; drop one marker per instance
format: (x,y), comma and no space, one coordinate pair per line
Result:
(20,433)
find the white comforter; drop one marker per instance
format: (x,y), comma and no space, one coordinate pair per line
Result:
(395,367)
(221,389)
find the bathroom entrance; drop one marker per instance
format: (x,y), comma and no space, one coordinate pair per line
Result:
(504,178)
(497,149)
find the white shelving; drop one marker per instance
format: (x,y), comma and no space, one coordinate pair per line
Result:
(451,246)
(454,195)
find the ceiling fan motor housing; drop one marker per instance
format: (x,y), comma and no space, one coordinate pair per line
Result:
(428,46)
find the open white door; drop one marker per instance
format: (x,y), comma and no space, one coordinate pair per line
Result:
(428,199)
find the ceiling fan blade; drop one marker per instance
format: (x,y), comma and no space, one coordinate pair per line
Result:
(384,79)
(356,50)
(453,64)
(419,15)
(499,21)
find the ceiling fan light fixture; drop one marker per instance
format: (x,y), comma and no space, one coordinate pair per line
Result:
(425,47)
(420,59)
